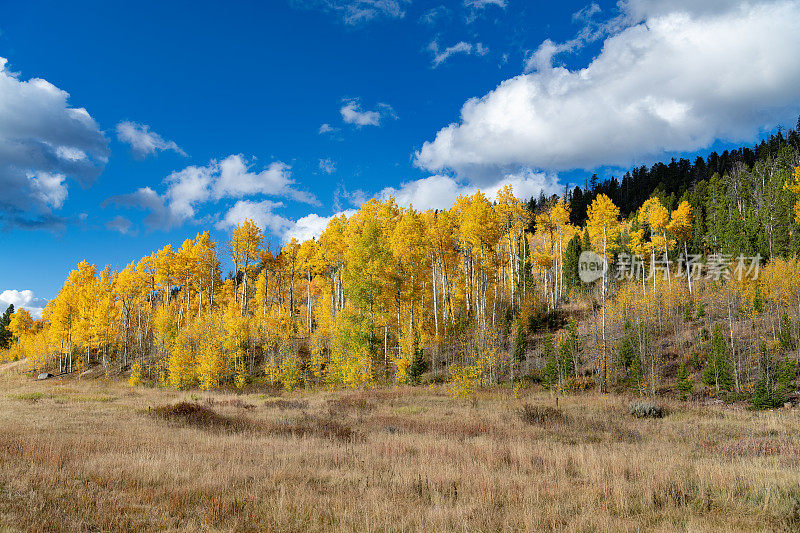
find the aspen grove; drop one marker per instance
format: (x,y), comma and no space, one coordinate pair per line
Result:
(486,292)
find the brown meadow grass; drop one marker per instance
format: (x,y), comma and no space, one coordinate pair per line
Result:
(91,455)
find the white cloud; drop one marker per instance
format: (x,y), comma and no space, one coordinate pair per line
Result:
(144,142)
(121,225)
(234,180)
(358,11)
(327,128)
(311,226)
(49,188)
(481,4)
(440,191)
(24,299)
(328,166)
(43,142)
(461,47)
(587,12)
(353,114)
(190,188)
(259,212)
(476,7)
(432,15)
(684,77)
(262,213)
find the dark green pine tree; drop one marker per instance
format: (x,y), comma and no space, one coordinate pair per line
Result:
(718,371)
(586,242)
(571,258)
(776,381)
(5,333)
(685,385)
(550,361)
(418,366)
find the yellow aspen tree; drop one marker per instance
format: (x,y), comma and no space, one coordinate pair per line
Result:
(163,265)
(309,265)
(512,217)
(182,363)
(603,224)
(640,248)
(479,231)
(21,323)
(794,186)
(544,244)
(246,238)
(105,312)
(408,247)
(85,279)
(680,226)
(657,217)
(130,286)
(289,254)
(210,360)
(560,217)
(207,269)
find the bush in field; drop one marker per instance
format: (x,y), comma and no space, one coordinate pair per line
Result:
(645,409)
(536,415)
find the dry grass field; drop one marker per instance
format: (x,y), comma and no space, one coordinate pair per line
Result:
(98,455)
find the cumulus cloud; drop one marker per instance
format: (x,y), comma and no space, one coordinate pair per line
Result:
(144,142)
(327,128)
(461,47)
(190,188)
(677,76)
(440,191)
(357,11)
(43,143)
(24,299)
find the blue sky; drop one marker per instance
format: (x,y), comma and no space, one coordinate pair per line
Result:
(200,113)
